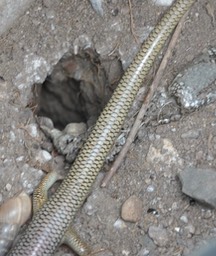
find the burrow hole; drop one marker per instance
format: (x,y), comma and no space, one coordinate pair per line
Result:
(77,89)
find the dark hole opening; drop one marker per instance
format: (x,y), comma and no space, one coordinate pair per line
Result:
(77,89)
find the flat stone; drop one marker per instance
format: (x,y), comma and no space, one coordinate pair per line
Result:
(199,184)
(132,209)
(158,235)
(193,86)
(192,134)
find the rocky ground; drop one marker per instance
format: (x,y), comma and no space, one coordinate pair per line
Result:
(162,199)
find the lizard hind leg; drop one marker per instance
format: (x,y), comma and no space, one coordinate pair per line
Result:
(40,196)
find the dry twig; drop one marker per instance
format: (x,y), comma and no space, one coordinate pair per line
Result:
(145,105)
(132,22)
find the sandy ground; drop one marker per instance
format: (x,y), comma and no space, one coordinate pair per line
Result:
(29,52)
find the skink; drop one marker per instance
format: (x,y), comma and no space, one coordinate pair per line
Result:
(48,226)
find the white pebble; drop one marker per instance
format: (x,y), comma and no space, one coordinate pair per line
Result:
(6,160)
(43,156)
(119,224)
(33,130)
(150,188)
(29,186)
(125,252)
(8,187)
(184,218)
(143,252)
(89,209)
(12,136)
(19,158)
(177,229)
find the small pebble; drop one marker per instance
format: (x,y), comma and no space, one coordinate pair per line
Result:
(132,209)
(29,186)
(125,252)
(119,224)
(32,130)
(184,218)
(48,146)
(150,188)
(190,230)
(43,156)
(158,235)
(19,158)
(12,136)
(89,209)
(8,187)
(206,214)
(177,229)
(175,206)
(45,121)
(143,252)
(6,160)
(75,129)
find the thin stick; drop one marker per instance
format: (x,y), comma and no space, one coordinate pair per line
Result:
(145,105)
(132,22)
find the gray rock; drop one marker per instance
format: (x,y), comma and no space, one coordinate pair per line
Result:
(192,134)
(158,235)
(195,87)
(199,184)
